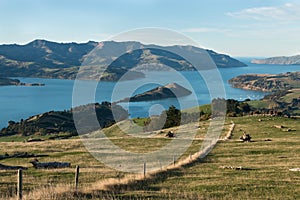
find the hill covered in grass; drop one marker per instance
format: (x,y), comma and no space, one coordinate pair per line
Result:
(267,82)
(284,91)
(62,122)
(232,170)
(45,59)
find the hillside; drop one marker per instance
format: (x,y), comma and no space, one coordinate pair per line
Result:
(282,60)
(61,122)
(232,170)
(46,59)
(267,82)
(284,91)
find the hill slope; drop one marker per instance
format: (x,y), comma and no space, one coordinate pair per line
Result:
(46,59)
(282,60)
(284,91)
(55,122)
(267,82)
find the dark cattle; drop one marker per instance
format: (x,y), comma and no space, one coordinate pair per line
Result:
(170,134)
(245,137)
(48,165)
(7,167)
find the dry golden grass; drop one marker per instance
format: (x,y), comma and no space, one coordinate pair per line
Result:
(73,151)
(265,165)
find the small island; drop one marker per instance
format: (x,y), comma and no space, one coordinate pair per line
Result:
(17,82)
(171,90)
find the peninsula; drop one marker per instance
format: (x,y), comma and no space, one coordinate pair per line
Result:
(267,82)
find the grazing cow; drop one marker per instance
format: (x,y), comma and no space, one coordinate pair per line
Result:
(246,137)
(48,165)
(170,134)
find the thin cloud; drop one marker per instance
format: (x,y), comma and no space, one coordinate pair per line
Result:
(288,12)
(204,30)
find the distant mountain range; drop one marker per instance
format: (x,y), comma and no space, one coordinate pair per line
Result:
(46,59)
(281,60)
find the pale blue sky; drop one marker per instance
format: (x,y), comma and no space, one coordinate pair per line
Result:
(235,27)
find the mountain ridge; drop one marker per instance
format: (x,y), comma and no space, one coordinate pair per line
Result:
(46,59)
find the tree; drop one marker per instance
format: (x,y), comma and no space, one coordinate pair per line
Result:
(173,117)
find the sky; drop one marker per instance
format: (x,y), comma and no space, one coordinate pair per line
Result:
(240,28)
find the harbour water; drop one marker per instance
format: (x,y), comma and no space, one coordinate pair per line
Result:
(21,102)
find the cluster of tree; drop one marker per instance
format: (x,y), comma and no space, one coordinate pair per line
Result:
(174,117)
(168,118)
(232,107)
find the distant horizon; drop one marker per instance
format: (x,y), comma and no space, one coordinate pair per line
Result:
(82,42)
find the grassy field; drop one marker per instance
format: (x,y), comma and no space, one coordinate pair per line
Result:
(73,151)
(264,166)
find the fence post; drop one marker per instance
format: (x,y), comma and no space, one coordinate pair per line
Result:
(76,177)
(19,189)
(160,165)
(144,170)
(174,161)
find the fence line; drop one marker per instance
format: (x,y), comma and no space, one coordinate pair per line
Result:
(189,159)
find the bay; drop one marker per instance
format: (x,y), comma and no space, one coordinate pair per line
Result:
(21,102)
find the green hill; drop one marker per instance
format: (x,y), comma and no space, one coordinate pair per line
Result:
(284,97)
(62,122)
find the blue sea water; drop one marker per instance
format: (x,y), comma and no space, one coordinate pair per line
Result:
(21,102)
